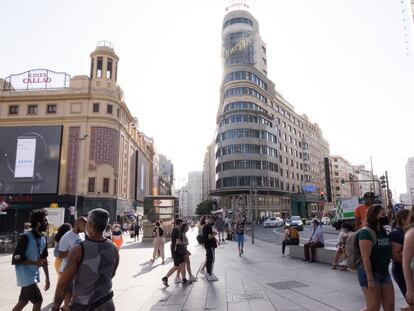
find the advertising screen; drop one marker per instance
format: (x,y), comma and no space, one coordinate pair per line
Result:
(142,176)
(29,159)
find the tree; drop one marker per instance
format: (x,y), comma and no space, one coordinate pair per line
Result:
(204,207)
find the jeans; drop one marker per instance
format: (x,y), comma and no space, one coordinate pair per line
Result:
(210,254)
(289,242)
(312,245)
(379,279)
(398,275)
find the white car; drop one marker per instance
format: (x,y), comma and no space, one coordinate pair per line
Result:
(273,222)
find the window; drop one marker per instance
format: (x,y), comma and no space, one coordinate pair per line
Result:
(32,109)
(109,109)
(99,67)
(263,49)
(13,109)
(264,61)
(51,108)
(91,184)
(109,69)
(337,188)
(117,112)
(336,174)
(95,107)
(92,63)
(105,187)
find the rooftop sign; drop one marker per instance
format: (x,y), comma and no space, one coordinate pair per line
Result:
(234,5)
(37,79)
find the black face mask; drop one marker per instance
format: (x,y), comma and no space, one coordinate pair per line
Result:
(383,221)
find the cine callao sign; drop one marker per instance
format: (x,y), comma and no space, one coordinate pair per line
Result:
(37,79)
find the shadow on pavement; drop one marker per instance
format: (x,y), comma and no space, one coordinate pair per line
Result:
(137,245)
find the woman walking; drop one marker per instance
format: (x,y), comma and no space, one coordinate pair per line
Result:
(407,259)
(159,242)
(117,236)
(239,228)
(397,242)
(373,274)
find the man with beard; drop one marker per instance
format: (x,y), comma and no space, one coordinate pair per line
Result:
(30,254)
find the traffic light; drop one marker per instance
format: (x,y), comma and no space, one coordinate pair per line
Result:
(322,196)
(383,182)
(343,182)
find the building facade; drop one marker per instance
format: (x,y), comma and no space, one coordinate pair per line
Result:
(342,170)
(267,156)
(409,175)
(103,160)
(194,192)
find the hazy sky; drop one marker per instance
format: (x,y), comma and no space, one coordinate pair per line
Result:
(347,64)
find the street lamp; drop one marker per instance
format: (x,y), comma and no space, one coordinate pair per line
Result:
(80,139)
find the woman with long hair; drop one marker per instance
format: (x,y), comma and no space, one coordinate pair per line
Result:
(373,273)
(159,242)
(61,231)
(397,242)
(407,259)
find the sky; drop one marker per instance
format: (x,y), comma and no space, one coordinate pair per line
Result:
(347,64)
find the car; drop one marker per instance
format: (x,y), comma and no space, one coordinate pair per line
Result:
(296,222)
(273,222)
(326,220)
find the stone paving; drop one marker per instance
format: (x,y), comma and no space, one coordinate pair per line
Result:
(260,280)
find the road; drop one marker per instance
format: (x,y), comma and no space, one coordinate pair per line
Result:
(275,235)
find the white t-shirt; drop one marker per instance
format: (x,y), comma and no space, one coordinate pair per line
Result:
(68,240)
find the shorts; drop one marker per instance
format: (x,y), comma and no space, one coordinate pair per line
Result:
(30,293)
(178,260)
(380,280)
(240,239)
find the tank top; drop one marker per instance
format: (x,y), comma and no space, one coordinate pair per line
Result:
(93,280)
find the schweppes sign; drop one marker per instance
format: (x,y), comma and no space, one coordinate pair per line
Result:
(241,45)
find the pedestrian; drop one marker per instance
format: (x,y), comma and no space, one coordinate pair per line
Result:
(30,254)
(108,232)
(397,242)
(158,242)
(316,240)
(91,267)
(210,244)
(340,246)
(291,237)
(220,224)
(117,238)
(69,240)
(178,253)
(191,277)
(58,260)
(408,258)
(373,273)
(136,229)
(361,210)
(240,235)
(201,225)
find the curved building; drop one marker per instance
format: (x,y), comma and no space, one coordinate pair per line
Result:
(262,151)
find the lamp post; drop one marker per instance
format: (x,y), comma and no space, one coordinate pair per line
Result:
(80,139)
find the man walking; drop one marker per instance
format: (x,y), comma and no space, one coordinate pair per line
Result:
(361,210)
(30,254)
(69,240)
(91,267)
(210,244)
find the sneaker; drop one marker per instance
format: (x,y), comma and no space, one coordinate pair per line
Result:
(165,281)
(242,251)
(192,278)
(178,280)
(212,278)
(185,282)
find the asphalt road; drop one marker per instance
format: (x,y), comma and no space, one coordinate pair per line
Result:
(275,235)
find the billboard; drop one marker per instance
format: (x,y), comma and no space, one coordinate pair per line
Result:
(37,79)
(142,176)
(29,159)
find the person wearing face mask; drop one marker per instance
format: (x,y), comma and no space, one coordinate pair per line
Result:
(373,274)
(30,254)
(90,268)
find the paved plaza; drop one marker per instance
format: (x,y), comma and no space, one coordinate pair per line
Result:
(260,280)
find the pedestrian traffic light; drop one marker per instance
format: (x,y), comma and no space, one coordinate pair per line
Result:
(322,196)
(343,182)
(383,182)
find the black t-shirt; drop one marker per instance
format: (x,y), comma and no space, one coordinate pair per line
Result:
(397,236)
(240,228)
(160,231)
(211,243)
(175,234)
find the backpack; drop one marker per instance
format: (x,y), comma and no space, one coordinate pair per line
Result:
(352,251)
(294,234)
(200,239)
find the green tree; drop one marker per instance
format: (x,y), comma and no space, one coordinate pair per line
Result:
(204,207)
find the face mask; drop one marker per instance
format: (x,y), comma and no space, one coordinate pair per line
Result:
(383,221)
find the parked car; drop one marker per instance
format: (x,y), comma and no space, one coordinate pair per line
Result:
(273,222)
(296,222)
(326,220)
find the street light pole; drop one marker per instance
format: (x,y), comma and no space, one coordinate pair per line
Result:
(80,139)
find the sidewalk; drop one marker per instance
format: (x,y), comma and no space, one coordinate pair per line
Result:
(260,280)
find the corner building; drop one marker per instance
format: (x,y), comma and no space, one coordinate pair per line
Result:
(265,153)
(102,159)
